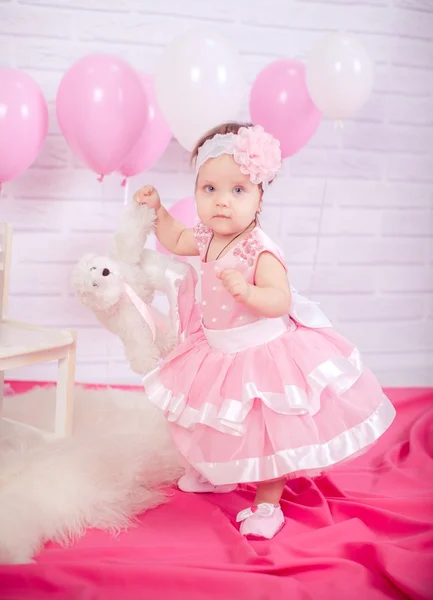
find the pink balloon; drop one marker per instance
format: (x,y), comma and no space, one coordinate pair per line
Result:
(154,138)
(281,103)
(23,122)
(184,211)
(101,109)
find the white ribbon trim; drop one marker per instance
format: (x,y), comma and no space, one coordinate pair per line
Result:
(305,459)
(207,415)
(261,510)
(293,401)
(238,339)
(178,412)
(263,331)
(339,373)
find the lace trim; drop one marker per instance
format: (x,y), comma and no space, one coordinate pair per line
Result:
(257,153)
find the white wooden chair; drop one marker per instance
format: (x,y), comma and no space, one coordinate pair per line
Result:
(23,344)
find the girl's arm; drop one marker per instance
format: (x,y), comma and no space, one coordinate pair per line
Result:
(270,295)
(173,235)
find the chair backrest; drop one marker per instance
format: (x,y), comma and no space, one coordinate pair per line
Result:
(5,265)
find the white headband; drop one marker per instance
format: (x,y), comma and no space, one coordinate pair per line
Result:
(257,152)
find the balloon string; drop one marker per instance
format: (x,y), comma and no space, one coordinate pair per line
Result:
(100,178)
(102,182)
(338,125)
(125,185)
(319,231)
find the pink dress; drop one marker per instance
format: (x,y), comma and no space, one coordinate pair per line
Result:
(251,399)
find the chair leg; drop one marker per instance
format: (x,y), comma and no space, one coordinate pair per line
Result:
(65,392)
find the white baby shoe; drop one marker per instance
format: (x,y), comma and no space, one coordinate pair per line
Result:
(261,521)
(196,483)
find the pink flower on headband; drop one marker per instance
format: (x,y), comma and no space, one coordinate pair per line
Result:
(258,153)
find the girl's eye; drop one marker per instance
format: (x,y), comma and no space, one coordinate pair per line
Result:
(238,190)
(209,188)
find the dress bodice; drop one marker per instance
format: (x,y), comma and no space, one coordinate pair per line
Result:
(219,309)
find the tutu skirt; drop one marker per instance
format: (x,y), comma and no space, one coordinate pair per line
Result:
(268,400)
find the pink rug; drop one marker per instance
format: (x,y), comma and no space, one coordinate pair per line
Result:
(363,532)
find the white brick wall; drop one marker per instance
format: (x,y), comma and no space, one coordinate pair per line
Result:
(374,247)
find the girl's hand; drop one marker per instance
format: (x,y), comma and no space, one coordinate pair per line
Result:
(148,195)
(235,283)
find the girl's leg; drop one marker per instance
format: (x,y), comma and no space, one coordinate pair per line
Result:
(270,492)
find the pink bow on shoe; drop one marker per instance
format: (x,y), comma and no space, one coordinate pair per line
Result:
(262,510)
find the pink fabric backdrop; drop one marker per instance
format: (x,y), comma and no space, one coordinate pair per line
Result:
(363,532)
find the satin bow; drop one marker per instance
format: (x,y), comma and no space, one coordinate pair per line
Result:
(150,316)
(262,510)
(307,312)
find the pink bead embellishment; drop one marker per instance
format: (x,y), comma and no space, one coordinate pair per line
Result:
(249,249)
(254,509)
(202,235)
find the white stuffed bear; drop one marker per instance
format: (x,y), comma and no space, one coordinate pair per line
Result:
(119,289)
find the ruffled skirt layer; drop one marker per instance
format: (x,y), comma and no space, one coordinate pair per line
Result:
(268,400)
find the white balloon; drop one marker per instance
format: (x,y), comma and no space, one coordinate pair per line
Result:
(339,76)
(199,84)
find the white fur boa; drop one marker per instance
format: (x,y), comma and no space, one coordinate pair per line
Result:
(114,467)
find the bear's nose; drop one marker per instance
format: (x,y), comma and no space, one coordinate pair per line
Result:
(106,272)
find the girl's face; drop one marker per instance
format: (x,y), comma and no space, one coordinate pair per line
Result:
(227,201)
